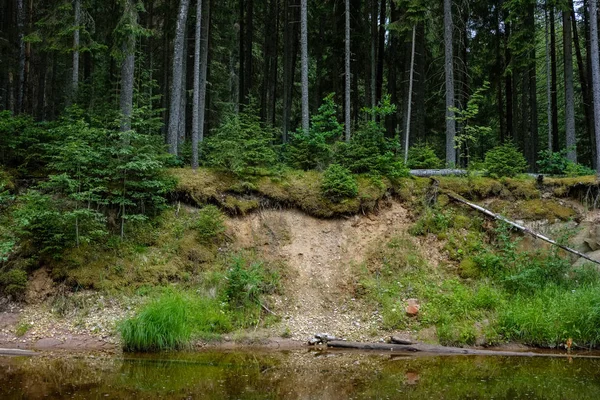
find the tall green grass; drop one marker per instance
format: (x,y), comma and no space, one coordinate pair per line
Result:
(170,322)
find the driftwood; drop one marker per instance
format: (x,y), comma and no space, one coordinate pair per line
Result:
(519,227)
(17,352)
(442,350)
(437,172)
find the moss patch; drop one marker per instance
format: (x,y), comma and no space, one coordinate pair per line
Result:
(535,209)
(299,189)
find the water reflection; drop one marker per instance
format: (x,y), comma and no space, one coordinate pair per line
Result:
(297,375)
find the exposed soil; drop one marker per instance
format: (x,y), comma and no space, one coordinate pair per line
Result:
(320,255)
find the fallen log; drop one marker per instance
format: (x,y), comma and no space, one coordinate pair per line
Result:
(17,352)
(441,350)
(517,226)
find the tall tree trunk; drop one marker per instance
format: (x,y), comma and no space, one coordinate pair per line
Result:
(304,52)
(595,60)
(181,127)
(290,51)
(532,145)
(196,107)
(554,83)
(548,79)
(381,50)
(583,78)
(569,93)
(248,57)
(508,83)
(204,49)
(177,81)
(128,70)
(449,71)
(76,49)
(374,37)
(347,74)
(410,90)
(21,71)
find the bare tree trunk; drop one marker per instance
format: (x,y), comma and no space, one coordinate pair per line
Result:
(128,70)
(177,81)
(76,48)
(374,16)
(569,95)
(554,81)
(347,74)
(381,50)
(595,75)
(410,90)
(21,36)
(204,70)
(181,127)
(548,80)
(583,77)
(449,69)
(196,107)
(304,51)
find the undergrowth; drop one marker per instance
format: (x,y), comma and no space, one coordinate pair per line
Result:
(490,291)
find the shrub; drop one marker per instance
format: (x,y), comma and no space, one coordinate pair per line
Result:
(552,163)
(13,282)
(422,156)
(241,145)
(314,149)
(505,160)
(338,183)
(210,224)
(247,283)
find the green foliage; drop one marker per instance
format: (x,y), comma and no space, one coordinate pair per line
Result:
(471,134)
(505,160)
(369,151)
(13,282)
(433,221)
(313,150)
(422,156)
(241,145)
(210,224)
(161,325)
(248,282)
(338,183)
(50,225)
(556,163)
(121,172)
(172,320)
(552,316)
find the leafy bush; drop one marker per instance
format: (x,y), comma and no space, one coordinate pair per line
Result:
(247,283)
(369,151)
(556,163)
(338,183)
(505,160)
(422,156)
(314,149)
(13,282)
(241,145)
(50,225)
(210,224)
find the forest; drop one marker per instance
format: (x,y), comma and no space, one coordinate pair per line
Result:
(138,138)
(457,78)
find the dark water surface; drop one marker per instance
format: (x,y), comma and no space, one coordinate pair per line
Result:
(297,375)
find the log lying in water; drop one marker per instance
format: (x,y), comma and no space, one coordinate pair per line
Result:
(442,350)
(437,172)
(517,226)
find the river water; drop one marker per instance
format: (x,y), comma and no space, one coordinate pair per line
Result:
(297,374)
